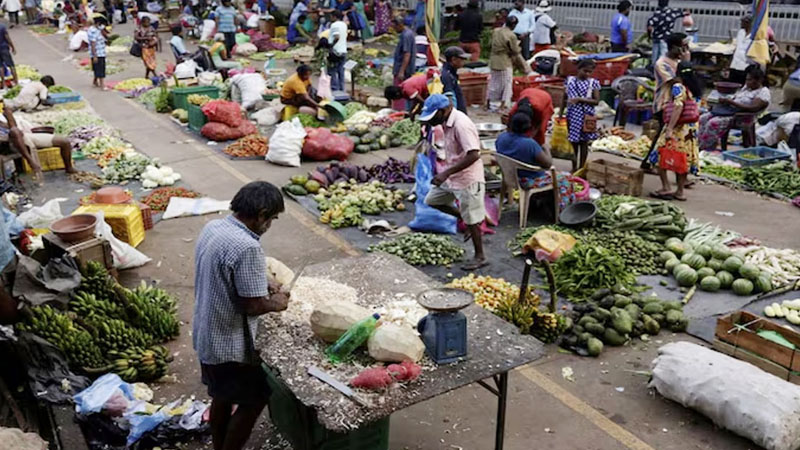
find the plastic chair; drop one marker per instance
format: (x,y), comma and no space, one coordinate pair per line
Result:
(746,122)
(626,88)
(508,169)
(553,54)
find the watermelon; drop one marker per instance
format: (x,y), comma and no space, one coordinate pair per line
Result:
(680,267)
(666,255)
(673,240)
(704,250)
(732,264)
(721,252)
(725,279)
(669,265)
(705,272)
(696,261)
(686,277)
(742,287)
(763,283)
(749,271)
(710,284)
(677,247)
(715,264)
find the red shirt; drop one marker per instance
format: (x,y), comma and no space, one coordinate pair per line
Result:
(542,102)
(415,86)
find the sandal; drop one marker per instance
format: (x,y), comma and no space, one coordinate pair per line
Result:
(475,265)
(680,199)
(661,195)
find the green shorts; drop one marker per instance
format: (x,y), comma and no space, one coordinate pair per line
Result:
(470,201)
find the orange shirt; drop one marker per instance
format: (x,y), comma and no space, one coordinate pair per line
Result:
(542,102)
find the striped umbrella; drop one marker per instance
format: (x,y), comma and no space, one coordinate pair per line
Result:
(433,26)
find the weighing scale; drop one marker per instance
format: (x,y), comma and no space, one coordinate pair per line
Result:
(444,329)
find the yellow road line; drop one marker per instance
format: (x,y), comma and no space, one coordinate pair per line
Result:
(584,409)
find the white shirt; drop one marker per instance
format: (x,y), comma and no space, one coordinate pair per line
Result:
(78,39)
(29,96)
(541,33)
(12,5)
(338,31)
(740,60)
(524,20)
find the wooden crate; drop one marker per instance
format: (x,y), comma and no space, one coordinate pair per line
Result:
(615,178)
(738,329)
(762,363)
(93,249)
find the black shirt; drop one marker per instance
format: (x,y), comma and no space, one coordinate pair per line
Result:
(450,83)
(471,24)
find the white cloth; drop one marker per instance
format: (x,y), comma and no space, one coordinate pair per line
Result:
(338,32)
(11,5)
(525,21)
(78,39)
(29,97)
(252,21)
(542,25)
(740,60)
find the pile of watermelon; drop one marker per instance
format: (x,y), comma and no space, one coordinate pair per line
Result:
(712,268)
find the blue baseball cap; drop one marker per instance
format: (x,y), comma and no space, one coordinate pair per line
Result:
(433,104)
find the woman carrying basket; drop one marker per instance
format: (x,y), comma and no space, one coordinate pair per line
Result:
(678,149)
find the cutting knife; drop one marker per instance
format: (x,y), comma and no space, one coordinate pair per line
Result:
(328,379)
(288,288)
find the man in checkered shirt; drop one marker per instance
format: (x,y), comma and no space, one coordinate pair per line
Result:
(231,290)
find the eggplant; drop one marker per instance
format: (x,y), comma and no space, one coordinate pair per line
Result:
(363,176)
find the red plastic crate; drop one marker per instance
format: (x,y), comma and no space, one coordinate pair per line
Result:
(519,84)
(147,215)
(607,71)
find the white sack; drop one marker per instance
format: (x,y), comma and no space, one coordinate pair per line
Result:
(734,394)
(251,87)
(181,207)
(286,144)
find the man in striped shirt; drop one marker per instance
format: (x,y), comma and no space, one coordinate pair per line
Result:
(226,23)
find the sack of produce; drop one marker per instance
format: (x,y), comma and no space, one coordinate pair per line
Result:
(246,49)
(332,318)
(395,343)
(734,394)
(286,144)
(223,111)
(218,132)
(322,145)
(251,86)
(427,218)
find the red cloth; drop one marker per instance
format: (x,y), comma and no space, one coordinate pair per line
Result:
(417,85)
(542,102)
(473,48)
(540,47)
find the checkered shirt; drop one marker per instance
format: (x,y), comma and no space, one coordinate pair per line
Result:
(229,263)
(94,35)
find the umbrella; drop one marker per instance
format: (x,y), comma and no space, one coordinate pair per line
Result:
(759,48)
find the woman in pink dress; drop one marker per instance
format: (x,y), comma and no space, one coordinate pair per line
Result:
(383,16)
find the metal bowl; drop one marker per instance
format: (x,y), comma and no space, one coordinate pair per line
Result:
(75,228)
(577,214)
(487,127)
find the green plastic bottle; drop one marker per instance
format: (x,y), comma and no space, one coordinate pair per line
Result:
(354,337)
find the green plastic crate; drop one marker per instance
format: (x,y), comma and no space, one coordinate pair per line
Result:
(299,424)
(196,118)
(180,95)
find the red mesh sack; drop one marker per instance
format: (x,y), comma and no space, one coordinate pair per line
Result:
(374,378)
(322,145)
(223,111)
(246,128)
(219,132)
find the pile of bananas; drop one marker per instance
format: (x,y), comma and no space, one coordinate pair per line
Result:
(95,280)
(198,99)
(60,330)
(146,314)
(89,307)
(139,364)
(520,314)
(547,326)
(115,334)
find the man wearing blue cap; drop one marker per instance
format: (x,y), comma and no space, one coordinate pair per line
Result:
(462,179)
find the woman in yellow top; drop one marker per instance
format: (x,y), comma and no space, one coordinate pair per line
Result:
(219,54)
(296,90)
(678,148)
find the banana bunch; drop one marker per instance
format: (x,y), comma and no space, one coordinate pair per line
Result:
(89,307)
(144,314)
(115,334)
(520,314)
(547,326)
(139,364)
(95,280)
(60,330)
(159,297)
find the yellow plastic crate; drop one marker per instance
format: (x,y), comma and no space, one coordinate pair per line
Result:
(49,158)
(125,220)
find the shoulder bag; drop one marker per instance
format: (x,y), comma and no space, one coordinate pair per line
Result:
(589,120)
(136,49)
(689,114)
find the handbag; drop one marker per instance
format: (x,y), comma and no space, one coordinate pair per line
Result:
(136,49)
(672,159)
(689,114)
(589,120)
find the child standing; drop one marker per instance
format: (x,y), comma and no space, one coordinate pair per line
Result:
(97,51)
(583,93)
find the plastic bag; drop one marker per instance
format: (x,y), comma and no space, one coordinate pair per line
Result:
(209,27)
(286,144)
(42,216)
(208,78)
(427,218)
(125,256)
(182,207)
(94,398)
(251,86)
(141,424)
(559,142)
(550,242)
(187,69)
(223,111)
(269,115)
(242,38)
(322,145)
(324,86)
(753,403)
